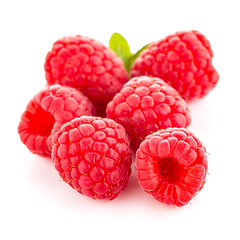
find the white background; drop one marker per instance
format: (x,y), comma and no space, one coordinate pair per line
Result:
(36,204)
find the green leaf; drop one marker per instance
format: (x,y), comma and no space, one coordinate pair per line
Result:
(135,56)
(120,46)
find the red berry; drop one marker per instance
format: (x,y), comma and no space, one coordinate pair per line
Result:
(172,165)
(45,114)
(92,155)
(183,60)
(87,65)
(147,104)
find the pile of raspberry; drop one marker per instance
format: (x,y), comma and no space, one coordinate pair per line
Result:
(103,104)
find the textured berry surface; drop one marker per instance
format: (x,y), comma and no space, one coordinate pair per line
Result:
(92,155)
(183,60)
(45,114)
(87,65)
(172,165)
(145,105)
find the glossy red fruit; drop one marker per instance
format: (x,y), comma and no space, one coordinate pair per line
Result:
(172,165)
(147,104)
(92,155)
(89,66)
(45,114)
(183,60)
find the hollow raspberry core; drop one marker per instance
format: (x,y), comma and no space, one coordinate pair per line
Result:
(40,121)
(169,169)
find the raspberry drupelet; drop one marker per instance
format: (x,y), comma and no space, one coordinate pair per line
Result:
(172,165)
(92,155)
(146,104)
(183,60)
(89,66)
(45,114)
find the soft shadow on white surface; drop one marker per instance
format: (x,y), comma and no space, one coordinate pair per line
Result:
(42,176)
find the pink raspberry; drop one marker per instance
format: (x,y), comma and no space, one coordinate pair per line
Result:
(87,65)
(183,60)
(147,104)
(92,155)
(172,165)
(45,114)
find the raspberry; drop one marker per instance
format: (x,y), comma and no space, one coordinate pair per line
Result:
(145,105)
(87,65)
(45,114)
(172,165)
(183,60)
(92,155)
